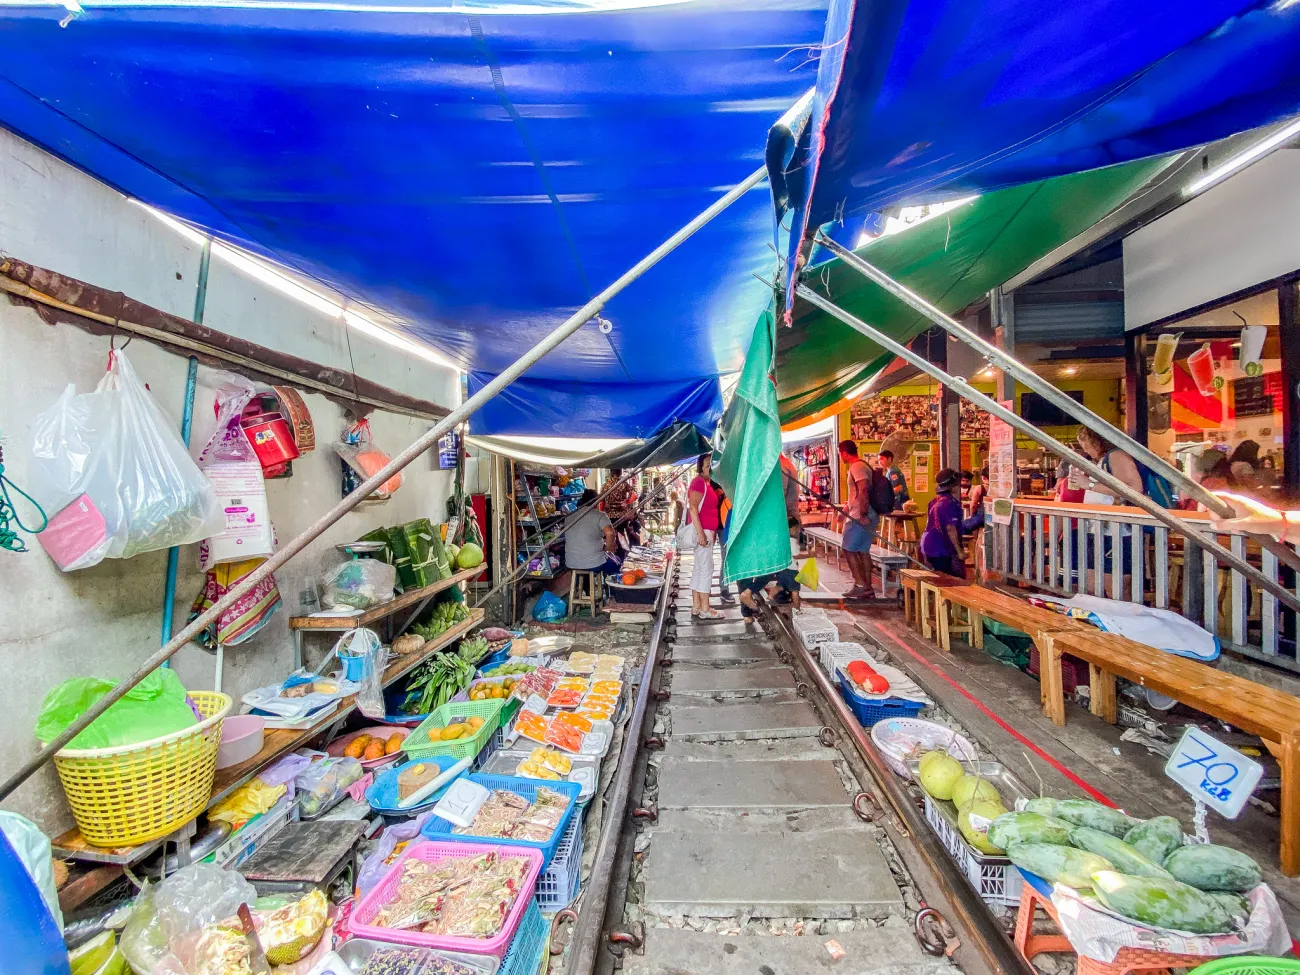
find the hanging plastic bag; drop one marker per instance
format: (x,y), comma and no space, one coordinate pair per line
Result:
(549,608)
(156,706)
(359,453)
(116,475)
(231,464)
(808,574)
(364,659)
(360,584)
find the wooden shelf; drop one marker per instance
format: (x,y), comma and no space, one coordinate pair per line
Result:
(277,743)
(408,598)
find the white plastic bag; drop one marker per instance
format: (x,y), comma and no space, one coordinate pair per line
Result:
(117,472)
(155,938)
(236,475)
(360,584)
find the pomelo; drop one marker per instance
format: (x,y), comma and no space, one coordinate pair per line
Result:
(939,772)
(970,787)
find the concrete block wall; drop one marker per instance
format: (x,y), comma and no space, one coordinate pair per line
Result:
(104,620)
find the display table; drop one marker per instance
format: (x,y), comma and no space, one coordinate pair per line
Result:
(277,743)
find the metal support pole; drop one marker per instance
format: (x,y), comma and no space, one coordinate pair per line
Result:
(1120,489)
(1018,371)
(187,423)
(370,485)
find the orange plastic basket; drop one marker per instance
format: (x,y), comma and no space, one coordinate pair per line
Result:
(132,794)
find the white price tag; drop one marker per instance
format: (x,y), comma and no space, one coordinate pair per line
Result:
(1221,777)
(536,703)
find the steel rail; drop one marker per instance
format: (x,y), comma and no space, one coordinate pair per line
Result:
(975,925)
(1136,498)
(1011,365)
(420,446)
(584,946)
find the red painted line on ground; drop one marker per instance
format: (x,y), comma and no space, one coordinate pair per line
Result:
(1091,790)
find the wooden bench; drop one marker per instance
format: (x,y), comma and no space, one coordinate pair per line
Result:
(980,603)
(1273,715)
(927,610)
(886,560)
(828,540)
(910,580)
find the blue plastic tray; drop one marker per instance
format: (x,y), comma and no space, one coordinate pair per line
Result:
(438,829)
(382,794)
(869,711)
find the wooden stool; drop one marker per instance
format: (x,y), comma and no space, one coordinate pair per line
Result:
(1128,959)
(928,606)
(911,580)
(588,595)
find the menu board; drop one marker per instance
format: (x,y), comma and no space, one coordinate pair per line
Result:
(1252,396)
(1002,457)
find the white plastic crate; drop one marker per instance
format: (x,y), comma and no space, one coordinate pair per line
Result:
(557,887)
(994,878)
(814,631)
(833,655)
(490,748)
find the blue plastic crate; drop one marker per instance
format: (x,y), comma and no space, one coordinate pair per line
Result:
(557,886)
(869,711)
(440,830)
(524,956)
(493,659)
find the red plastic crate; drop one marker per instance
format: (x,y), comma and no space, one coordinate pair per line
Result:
(1073,670)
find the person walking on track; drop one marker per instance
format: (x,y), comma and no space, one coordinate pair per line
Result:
(861,520)
(702,510)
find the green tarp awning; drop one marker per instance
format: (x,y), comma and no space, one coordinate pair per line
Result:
(951,260)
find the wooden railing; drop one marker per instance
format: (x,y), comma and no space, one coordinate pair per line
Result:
(1124,553)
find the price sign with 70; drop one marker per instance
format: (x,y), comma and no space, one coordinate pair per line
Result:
(1215,774)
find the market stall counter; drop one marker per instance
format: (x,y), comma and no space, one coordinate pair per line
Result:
(276,744)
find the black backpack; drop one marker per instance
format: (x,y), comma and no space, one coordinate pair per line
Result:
(881,492)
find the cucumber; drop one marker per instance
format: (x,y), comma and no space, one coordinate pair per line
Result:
(1156,838)
(1125,858)
(1028,827)
(1161,903)
(1085,812)
(1043,804)
(1209,867)
(1059,864)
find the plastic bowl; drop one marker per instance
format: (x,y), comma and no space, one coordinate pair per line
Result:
(241,739)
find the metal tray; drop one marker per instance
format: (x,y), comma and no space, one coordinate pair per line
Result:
(1008,786)
(585,771)
(356,951)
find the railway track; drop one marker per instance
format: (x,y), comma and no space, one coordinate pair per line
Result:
(751,827)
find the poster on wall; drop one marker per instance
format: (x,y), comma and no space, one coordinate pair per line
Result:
(1002,457)
(921,469)
(874,418)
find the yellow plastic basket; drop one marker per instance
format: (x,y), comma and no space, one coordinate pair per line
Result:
(132,794)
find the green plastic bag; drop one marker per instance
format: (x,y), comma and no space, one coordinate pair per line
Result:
(156,706)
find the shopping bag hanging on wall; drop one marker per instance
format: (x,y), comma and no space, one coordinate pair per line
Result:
(232,465)
(363,460)
(116,475)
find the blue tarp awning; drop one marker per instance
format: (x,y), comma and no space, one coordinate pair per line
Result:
(919,100)
(476,174)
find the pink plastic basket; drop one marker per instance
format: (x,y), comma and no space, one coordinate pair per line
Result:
(383,892)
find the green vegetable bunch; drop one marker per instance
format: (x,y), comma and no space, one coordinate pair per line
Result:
(435,682)
(472,649)
(445,616)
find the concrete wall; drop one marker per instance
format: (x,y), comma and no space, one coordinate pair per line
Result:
(104,620)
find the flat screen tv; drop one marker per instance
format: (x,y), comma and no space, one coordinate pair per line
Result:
(1043,413)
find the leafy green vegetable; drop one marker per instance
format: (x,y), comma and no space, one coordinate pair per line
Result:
(435,682)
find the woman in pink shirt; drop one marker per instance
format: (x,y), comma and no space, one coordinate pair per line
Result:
(702,510)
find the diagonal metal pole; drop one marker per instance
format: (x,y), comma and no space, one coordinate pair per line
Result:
(1013,367)
(993,407)
(424,443)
